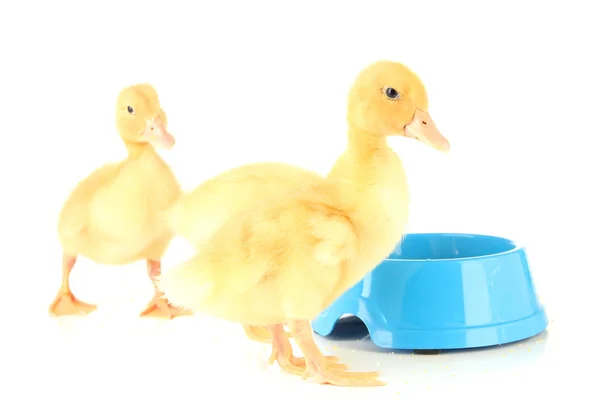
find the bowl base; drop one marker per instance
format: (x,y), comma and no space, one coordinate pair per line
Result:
(433,341)
(427,352)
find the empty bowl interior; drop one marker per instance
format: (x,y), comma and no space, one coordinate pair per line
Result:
(444,246)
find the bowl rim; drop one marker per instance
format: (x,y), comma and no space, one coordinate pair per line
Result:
(517,248)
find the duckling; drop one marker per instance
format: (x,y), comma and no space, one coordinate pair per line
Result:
(286,258)
(117,214)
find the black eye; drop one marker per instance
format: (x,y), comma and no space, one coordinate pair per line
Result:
(129,109)
(392,93)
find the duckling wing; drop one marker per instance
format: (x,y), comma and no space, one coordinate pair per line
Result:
(74,216)
(201,212)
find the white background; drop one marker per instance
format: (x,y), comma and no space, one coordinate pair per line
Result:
(513,85)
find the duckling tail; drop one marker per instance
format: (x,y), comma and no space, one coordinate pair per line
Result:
(187,285)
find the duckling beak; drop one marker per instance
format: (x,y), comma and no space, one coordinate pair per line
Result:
(157,134)
(423,129)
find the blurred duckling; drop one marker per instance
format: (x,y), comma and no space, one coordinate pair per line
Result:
(117,214)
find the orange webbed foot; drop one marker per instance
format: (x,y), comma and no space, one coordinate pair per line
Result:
(67,304)
(321,370)
(160,308)
(324,374)
(282,352)
(297,365)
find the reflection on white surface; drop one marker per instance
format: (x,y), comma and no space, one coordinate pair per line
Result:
(154,368)
(112,363)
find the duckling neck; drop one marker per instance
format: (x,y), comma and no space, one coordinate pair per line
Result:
(136,149)
(365,144)
(373,185)
(368,163)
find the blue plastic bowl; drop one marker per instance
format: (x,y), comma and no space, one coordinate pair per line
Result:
(444,291)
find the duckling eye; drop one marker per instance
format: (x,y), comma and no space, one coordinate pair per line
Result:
(129,109)
(392,93)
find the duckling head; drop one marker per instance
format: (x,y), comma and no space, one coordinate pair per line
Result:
(140,118)
(389,99)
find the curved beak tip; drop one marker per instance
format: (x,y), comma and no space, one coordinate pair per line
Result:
(157,134)
(423,129)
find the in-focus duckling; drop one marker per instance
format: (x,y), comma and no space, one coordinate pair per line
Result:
(288,256)
(117,214)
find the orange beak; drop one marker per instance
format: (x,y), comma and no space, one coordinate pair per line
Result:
(157,134)
(423,129)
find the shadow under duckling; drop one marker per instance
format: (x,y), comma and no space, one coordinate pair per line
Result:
(116,215)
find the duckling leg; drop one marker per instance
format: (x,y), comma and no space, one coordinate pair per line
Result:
(65,303)
(282,352)
(258,333)
(317,366)
(261,333)
(159,307)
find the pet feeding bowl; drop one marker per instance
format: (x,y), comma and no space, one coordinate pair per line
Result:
(444,291)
